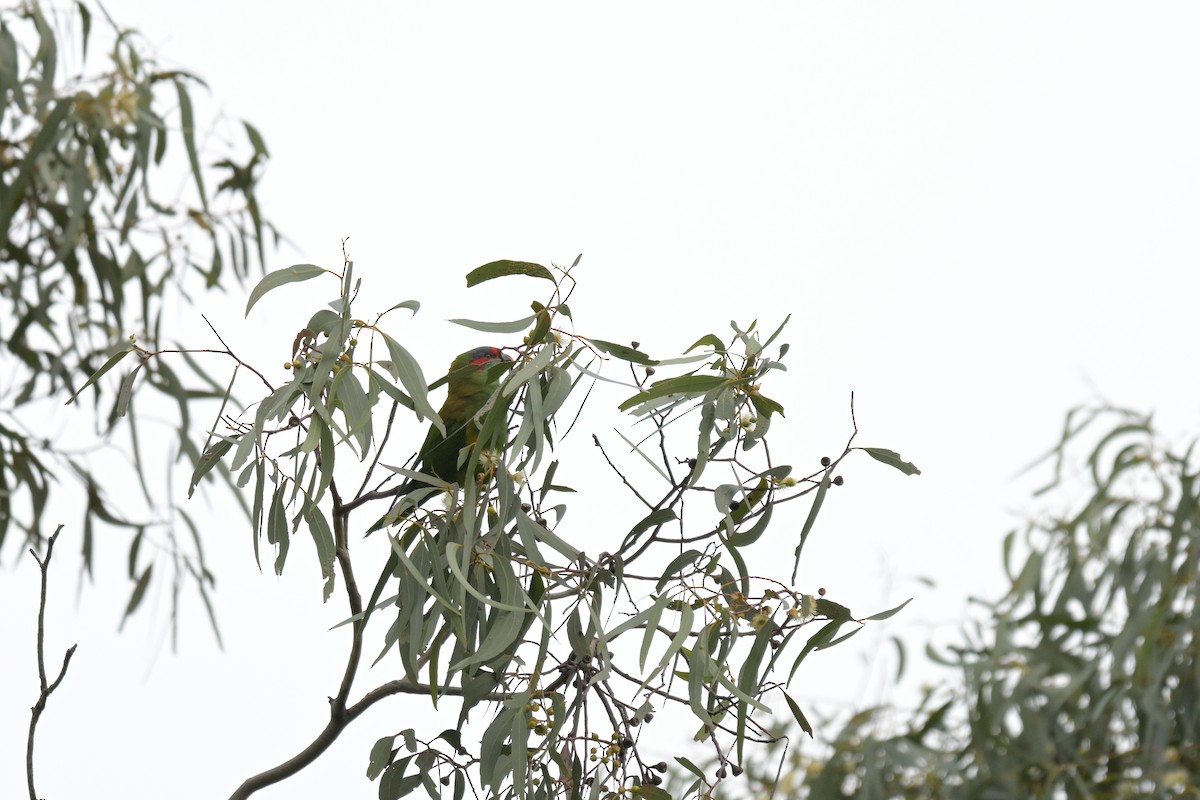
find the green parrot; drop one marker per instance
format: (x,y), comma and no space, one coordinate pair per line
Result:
(470,381)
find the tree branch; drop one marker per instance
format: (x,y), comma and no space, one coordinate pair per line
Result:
(46,688)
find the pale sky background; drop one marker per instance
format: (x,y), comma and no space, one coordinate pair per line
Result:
(978,216)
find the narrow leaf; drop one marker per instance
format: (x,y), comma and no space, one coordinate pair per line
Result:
(798,714)
(516,326)
(188,125)
(889,612)
(112,362)
(684,384)
(812,518)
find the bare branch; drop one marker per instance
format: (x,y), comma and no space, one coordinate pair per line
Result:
(46,688)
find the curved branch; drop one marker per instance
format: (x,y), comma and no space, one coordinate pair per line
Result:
(341,715)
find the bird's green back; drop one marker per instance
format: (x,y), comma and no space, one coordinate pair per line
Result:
(472,380)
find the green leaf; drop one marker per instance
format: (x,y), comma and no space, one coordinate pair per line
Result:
(207,461)
(687,618)
(686,557)
(841,638)
(394,785)
(112,362)
(892,459)
(812,518)
(817,641)
(516,326)
(652,620)
(708,340)
(748,680)
(46,138)
(256,140)
(277,530)
(381,756)
(125,393)
(653,520)
(745,538)
(188,125)
(9,79)
(500,269)
(139,590)
(406,368)
(690,767)
(622,352)
(494,766)
(765,406)
(798,714)
(652,792)
(836,611)
(356,407)
(318,526)
(684,384)
(273,280)
(890,612)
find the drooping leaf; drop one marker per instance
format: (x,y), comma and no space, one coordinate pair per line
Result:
(139,590)
(187,123)
(406,368)
(381,756)
(801,720)
(105,367)
(811,519)
(892,459)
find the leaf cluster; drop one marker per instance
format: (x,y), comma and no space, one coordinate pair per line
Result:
(99,238)
(1083,679)
(489,597)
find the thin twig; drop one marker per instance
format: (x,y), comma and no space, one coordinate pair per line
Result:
(624,480)
(46,688)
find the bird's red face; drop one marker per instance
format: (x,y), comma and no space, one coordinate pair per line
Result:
(482,356)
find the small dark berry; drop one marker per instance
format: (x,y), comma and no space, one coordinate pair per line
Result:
(660,766)
(636,345)
(733,506)
(824,461)
(626,743)
(540,521)
(654,780)
(525,507)
(649,717)
(691,463)
(649,370)
(838,480)
(721,772)
(445,780)
(736,770)
(821,591)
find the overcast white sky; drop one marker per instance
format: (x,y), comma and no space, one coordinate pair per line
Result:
(978,216)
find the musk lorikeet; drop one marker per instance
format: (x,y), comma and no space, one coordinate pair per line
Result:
(471,380)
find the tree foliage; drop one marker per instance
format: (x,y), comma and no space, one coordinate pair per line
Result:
(1083,680)
(108,218)
(558,659)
